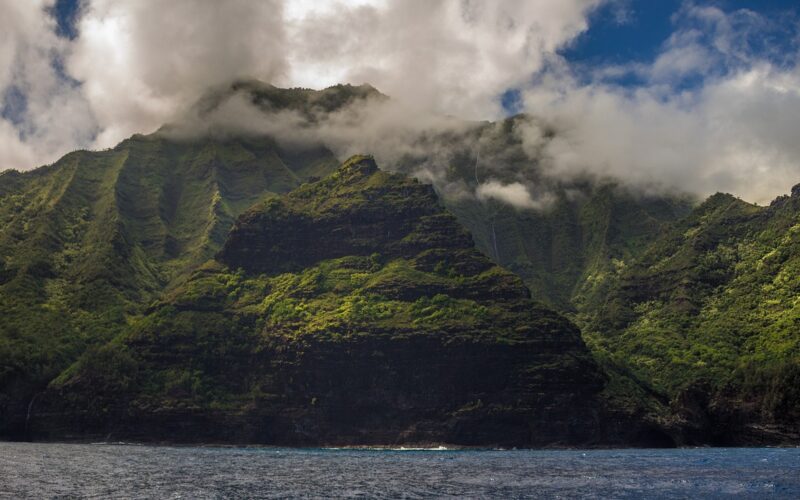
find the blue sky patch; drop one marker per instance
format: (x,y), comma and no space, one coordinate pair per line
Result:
(66,14)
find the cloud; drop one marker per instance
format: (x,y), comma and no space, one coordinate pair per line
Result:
(134,64)
(450,56)
(142,61)
(733,130)
(424,144)
(515,194)
(716,109)
(42,113)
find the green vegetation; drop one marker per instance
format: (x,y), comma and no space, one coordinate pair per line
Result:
(335,298)
(86,242)
(714,300)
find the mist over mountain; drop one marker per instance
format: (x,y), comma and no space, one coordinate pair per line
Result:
(710,107)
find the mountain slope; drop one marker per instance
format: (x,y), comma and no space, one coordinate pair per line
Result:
(710,316)
(573,232)
(85,242)
(353,310)
(563,253)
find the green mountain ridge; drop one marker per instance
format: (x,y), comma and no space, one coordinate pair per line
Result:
(689,310)
(709,315)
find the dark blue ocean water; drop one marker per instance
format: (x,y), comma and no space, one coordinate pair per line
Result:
(126,471)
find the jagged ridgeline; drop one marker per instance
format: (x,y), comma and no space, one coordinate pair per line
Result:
(353,310)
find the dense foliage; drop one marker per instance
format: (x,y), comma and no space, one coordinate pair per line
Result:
(713,301)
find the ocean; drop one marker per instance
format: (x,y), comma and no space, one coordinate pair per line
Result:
(46,470)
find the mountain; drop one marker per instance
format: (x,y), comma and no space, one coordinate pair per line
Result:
(709,316)
(107,256)
(308,103)
(88,243)
(353,310)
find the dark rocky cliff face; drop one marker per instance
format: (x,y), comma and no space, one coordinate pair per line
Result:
(352,311)
(342,215)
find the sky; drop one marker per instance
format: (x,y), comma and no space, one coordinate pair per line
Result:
(701,96)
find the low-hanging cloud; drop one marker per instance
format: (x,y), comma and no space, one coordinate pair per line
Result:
(515,194)
(736,134)
(135,65)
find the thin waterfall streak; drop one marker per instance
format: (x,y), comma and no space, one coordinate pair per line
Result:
(30,409)
(494,244)
(477,159)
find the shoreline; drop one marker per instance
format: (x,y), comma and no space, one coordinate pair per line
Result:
(426,447)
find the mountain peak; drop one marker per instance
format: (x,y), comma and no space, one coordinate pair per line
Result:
(363,165)
(268,97)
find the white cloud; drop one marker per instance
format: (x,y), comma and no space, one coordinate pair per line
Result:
(451,56)
(142,61)
(735,132)
(139,62)
(515,194)
(44,115)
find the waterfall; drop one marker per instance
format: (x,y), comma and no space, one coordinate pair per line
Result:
(477,159)
(30,408)
(494,244)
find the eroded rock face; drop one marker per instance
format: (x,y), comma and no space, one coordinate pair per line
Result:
(353,310)
(353,212)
